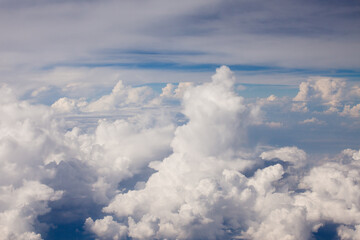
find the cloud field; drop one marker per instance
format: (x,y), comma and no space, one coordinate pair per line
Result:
(183,164)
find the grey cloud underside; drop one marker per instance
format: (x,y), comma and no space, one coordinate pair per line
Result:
(194,162)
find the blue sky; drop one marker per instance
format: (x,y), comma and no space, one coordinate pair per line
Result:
(185,119)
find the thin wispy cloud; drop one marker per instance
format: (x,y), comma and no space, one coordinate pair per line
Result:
(311,35)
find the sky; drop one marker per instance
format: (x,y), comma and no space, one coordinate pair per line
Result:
(185,119)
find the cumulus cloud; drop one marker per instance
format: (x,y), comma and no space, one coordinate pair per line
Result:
(27,137)
(106,228)
(21,206)
(206,153)
(201,190)
(154,176)
(120,96)
(44,162)
(66,105)
(327,90)
(119,150)
(352,111)
(177,92)
(331,93)
(333,185)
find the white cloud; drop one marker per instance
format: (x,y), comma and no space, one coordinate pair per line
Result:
(27,137)
(121,96)
(312,120)
(284,224)
(207,106)
(66,105)
(200,190)
(168,90)
(347,233)
(329,91)
(20,208)
(177,92)
(288,154)
(190,180)
(272,98)
(334,186)
(353,111)
(205,181)
(106,228)
(332,93)
(34,147)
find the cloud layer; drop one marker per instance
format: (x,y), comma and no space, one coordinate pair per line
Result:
(54,42)
(186,163)
(200,191)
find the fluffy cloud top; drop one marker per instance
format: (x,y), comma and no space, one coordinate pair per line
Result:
(27,137)
(201,190)
(43,162)
(158,173)
(120,96)
(329,92)
(205,160)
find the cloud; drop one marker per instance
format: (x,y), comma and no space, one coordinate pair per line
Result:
(49,163)
(332,186)
(170,91)
(286,154)
(329,91)
(21,207)
(201,191)
(71,34)
(65,105)
(120,96)
(327,95)
(327,186)
(312,120)
(160,172)
(106,228)
(352,111)
(347,233)
(274,124)
(194,172)
(212,104)
(28,136)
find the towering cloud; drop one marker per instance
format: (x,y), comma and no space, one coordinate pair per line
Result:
(185,197)
(210,187)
